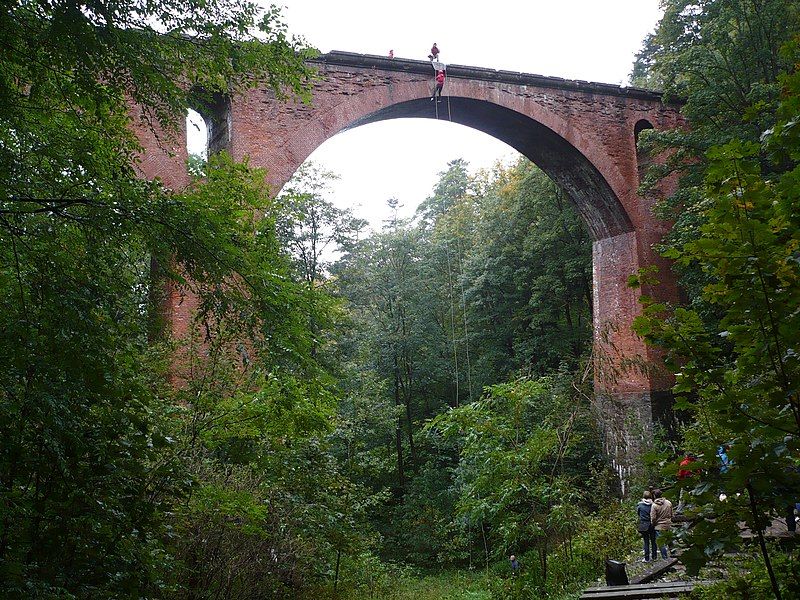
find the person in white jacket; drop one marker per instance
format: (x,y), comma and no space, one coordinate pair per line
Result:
(661,518)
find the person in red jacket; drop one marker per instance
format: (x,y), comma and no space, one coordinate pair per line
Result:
(439,84)
(683,473)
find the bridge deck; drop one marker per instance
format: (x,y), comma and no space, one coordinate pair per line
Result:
(352,59)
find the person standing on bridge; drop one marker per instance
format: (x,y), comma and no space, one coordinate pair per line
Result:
(434,55)
(439,84)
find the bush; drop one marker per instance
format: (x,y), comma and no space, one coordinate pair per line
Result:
(745,578)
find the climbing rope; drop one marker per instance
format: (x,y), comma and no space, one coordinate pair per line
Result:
(452,318)
(464,314)
(436,105)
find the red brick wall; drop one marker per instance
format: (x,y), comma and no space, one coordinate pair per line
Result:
(582,134)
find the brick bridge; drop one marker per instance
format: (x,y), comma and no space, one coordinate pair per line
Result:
(583,135)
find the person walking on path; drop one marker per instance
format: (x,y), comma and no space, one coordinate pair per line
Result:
(434,55)
(661,518)
(645,527)
(514,565)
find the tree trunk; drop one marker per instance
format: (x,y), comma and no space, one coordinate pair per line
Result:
(760,532)
(336,574)
(398,434)
(409,426)
(485,547)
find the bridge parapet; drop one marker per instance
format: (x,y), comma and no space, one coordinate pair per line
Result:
(423,67)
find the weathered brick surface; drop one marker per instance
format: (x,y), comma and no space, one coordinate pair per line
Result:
(581,134)
(164,157)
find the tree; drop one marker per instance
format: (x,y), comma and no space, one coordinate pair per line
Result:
(741,376)
(313,228)
(722,58)
(732,349)
(427,300)
(89,464)
(531,266)
(525,452)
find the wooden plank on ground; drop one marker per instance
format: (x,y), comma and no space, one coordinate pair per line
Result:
(656,570)
(642,591)
(654,591)
(635,586)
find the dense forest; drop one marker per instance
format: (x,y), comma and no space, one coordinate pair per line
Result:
(373,414)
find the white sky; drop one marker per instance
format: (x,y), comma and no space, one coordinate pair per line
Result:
(593,40)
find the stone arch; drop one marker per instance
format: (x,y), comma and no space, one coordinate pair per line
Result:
(574,157)
(583,142)
(582,134)
(586,187)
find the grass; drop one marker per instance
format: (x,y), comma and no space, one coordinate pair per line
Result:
(452,585)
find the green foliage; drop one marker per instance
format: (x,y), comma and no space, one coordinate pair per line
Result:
(429,327)
(312,228)
(747,578)
(68,73)
(531,266)
(166,490)
(102,462)
(724,60)
(607,533)
(733,349)
(741,377)
(526,449)
(196,165)
(393,582)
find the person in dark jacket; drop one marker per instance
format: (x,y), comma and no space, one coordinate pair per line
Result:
(646,529)
(434,55)
(514,565)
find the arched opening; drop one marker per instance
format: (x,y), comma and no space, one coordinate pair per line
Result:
(643,156)
(208,124)
(510,205)
(449,310)
(640,126)
(196,142)
(581,181)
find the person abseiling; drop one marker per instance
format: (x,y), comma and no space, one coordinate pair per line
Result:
(439,84)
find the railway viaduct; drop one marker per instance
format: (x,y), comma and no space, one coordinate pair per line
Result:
(582,134)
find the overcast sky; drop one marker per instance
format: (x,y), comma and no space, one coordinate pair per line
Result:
(593,40)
